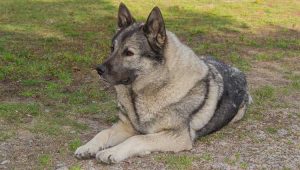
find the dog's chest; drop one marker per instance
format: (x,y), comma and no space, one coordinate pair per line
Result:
(148,115)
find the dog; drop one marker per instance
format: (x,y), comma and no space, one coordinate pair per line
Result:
(167,95)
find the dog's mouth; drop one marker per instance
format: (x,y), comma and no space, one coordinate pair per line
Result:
(114,81)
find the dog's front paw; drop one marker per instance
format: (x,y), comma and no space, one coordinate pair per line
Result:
(109,156)
(86,151)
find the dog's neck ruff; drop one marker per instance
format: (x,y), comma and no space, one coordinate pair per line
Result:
(159,93)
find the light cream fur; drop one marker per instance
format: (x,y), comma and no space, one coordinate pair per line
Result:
(201,118)
(106,138)
(179,79)
(145,144)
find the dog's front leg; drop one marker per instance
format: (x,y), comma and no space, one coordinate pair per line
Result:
(144,144)
(106,138)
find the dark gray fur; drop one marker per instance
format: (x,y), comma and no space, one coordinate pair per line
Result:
(234,97)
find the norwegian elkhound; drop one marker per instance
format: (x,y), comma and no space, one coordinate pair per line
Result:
(168,96)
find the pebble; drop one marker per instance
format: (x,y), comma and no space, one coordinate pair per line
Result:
(5,162)
(282,132)
(61,166)
(261,135)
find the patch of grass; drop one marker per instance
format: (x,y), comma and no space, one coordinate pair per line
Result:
(176,161)
(255,113)
(53,91)
(65,77)
(74,144)
(53,126)
(295,84)
(283,43)
(236,160)
(207,157)
(75,167)
(244,165)
(91,108)
(46,127)
(5,135)
(106,111)
(28,93)
(45,160)
(111,118)
(271,130)
(31,82)
(74,58)
(240,62)
(15,112)
(264,94)
(68,29)
(268,57)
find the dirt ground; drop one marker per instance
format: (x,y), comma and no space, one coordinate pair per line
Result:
(243,145)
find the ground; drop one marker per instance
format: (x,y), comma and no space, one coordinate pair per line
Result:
(52,100)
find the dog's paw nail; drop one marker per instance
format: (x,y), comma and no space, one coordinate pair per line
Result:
(86,151)
(105,157)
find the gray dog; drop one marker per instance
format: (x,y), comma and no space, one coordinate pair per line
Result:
(168,96)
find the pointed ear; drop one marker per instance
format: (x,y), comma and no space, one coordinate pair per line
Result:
(124,17)
(154,28)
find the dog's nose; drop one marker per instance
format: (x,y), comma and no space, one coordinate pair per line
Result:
(101,69)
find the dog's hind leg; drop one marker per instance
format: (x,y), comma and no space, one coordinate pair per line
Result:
(240,114)
(106,138)
(242,110)
(145,144)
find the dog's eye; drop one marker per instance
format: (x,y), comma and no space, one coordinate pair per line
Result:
(128,53)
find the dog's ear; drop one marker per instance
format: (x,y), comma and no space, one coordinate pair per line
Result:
(124,17)
(154,29)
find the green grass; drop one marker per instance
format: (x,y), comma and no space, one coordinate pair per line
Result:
(295,81)
(240,62)
(207,157)
(74,144)
(263,98)
(45,160)
(271,130)
(53,126)
(48,49)
(264,94)
(244,165)
(75,167)
(176,161)
(15,112)
(268,57)
(5,135)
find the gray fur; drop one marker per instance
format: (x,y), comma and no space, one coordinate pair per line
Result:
(167,94)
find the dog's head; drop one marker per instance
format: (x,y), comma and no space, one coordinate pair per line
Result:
(136,49)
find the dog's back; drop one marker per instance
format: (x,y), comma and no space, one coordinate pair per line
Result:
(234,97)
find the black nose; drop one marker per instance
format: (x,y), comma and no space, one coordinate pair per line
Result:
(101,69)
